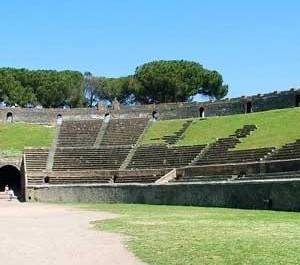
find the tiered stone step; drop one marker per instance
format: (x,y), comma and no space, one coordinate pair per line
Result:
(218,152)
(238,156)
(36,159)
(89,158)
(85,178)
(124,131)
(245,131)
(138,179)
(35,179)
(288,151)
(81,133)
(249,177)
(172,139)
(202,178)
(5,197)
(276,175)
(161,156)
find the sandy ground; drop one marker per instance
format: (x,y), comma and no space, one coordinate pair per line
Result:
(38,234)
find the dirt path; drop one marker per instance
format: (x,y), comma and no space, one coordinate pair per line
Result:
(48,234)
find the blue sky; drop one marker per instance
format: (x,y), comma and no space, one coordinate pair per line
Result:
(254,45)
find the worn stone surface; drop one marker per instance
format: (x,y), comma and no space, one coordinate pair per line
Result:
(283,194)
(237,168)
(275,100)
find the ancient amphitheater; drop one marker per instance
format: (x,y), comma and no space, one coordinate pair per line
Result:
(98,155)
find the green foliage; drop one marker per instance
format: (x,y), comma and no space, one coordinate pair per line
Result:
(45,87)
(175,235)
(158,81)
(275,128)
(175,81)
(14,137)
(119,88)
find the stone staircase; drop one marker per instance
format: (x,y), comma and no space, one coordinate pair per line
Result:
(5,197)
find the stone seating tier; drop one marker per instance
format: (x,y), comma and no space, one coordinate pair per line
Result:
(124,131)
(36,159)
(89,158)
(288,151)
(277,175)
(80,179)
(249,177)
(238,156)
(138,179)
(78,133)
(161,156)
(172,139)
(35,179)
(202,179)
(216,152)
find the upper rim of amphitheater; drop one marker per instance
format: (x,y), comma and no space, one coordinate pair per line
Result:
(151,105)
(164,111)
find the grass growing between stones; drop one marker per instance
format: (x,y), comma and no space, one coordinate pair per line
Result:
(161,235)
(14,137)
(160,129)
(275,128)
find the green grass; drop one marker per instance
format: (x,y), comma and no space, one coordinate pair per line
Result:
(160,129)
(161,235)
(14,137)
(275,128)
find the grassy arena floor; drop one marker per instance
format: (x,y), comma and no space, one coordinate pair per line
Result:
(14,137)
(169,235)
(275,128)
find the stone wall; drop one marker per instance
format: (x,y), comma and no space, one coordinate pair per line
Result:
(46,116)
(11,160)
(244,168)
(285,99)
(275,195)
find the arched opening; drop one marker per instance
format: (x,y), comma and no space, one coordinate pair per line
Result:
(201,112)
(46,179)
(106,117)
(114,179)
(297,100)
(9,117)
(154,115)
(11,176)
(248,107)
(59,119)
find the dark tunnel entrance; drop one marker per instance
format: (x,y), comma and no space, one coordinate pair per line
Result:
(297,100)
(201,112)
(11,176)
(248,107)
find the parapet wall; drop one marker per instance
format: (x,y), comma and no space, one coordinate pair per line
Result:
(280,100)
(275,195)
(241,168)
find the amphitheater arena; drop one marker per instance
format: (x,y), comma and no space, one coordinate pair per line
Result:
(98,155)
